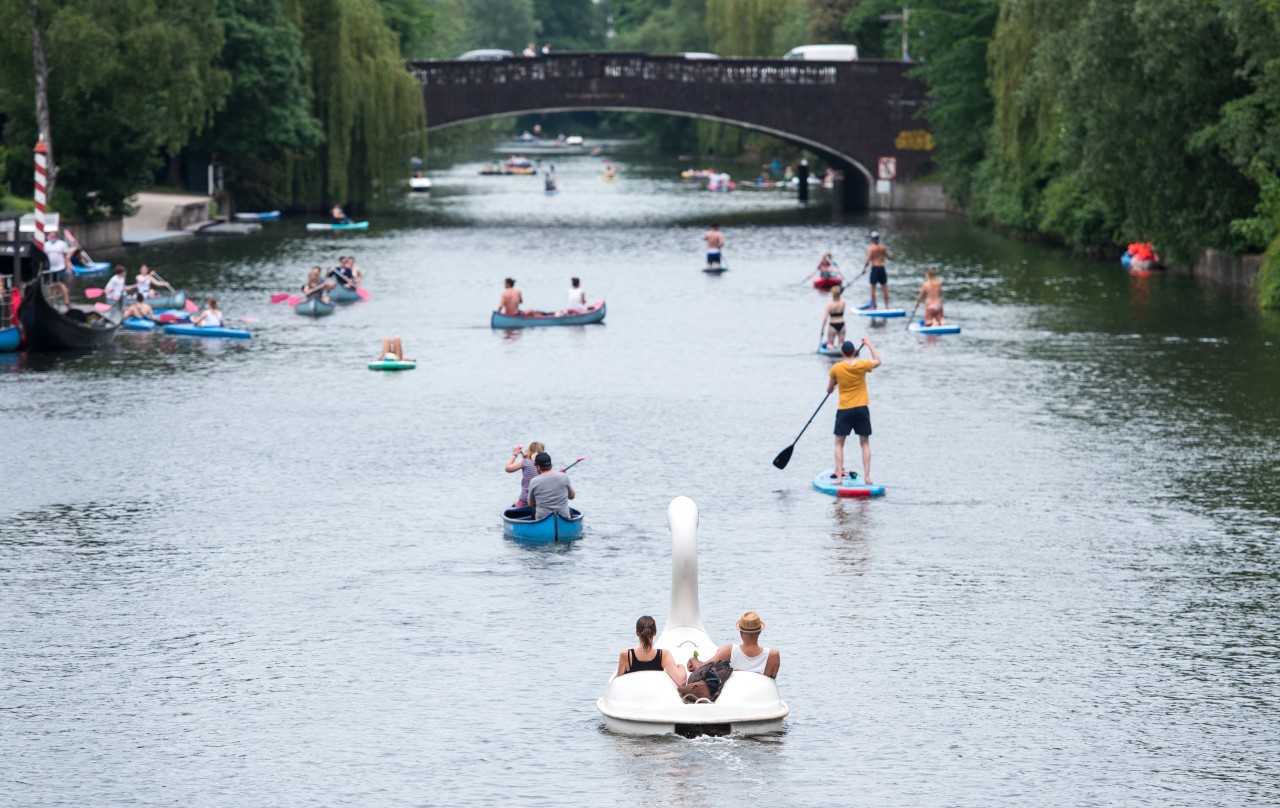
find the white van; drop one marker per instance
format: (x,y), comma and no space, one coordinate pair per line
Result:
(824,53)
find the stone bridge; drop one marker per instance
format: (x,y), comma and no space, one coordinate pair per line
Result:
(859,116)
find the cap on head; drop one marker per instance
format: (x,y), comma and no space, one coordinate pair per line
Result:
(542,460)
(750,622)
(875,235)
(847,348)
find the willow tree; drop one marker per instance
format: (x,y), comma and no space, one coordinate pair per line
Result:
(740,28)
(370,108)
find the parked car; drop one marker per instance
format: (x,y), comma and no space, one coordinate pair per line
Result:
(484,54)
(824,53)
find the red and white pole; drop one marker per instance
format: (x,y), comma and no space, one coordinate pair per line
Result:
(42,169)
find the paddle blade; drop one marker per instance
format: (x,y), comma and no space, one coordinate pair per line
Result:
(294,300)
(101,308)
(191,307)
(246,319)
(363,292)
(784,457)
(93,294)
(279,297)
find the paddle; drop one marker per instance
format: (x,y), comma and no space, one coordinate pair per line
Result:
(247,320)
(280,297)
(350,283)
(574,463)
(83,251)
(191,307)
(784,457)
(912,318)
(94,293)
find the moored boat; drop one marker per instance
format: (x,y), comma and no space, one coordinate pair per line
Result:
(313,308)
(519,524)
(48,329)
(594,314)
(10,339)
(266,216)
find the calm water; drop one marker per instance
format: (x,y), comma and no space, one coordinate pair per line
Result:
(259,574)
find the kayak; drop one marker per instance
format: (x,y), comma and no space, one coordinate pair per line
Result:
(268,216)
(849,488)
(91,268)
(211,331)
(139,324)
(594,314)
(177,300)
(313,308)
(826,283)
(519,524)
(920,328)
(393,364)
(341,294)
(827,350)
(314,226)
(715,270)
(883,313)
(10,338)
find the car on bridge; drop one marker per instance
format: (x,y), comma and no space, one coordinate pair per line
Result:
(484,54)
(824,53)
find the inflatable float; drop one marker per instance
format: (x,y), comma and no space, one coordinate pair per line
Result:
(317,227)
(138,324)
(647,702)
(848,487)
(393,364)
(826,282)
(920,328)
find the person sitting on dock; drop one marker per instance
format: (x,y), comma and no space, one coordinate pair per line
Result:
(748,656)
(393,351)
(316,287)
(931,294)
(509,303)
(139,309)
(648,658)
(339,215)
(550,491)
(113,291)
(715,241)
(211,317)
(524,464)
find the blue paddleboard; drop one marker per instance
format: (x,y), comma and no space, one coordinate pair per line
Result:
(850,487)
(883,313)
(920,328)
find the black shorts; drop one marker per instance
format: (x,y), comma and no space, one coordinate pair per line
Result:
(878,275)
(854,419)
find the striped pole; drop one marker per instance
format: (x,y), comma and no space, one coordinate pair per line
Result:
(42,168)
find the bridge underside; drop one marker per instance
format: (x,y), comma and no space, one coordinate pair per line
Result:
(853,114)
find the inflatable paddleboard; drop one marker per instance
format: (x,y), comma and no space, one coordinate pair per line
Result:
(884,313)
(920,328)
(393,364)
(92,268)
(219,332)
(314,226)
(715,270)
(849,487)
(139,324)
(827,350)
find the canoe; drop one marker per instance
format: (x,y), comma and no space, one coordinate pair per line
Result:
(177,300)
(91,268)
(826,283)
(138,324)
(10,338)
(827,350)
(849,487)
(882,313)
(393,364)
(341,294)
(268,216)
(920,328)
(47,329)
(206,331)
(715,270)
(519,524)
(594,314)
(314,226)
(313,308)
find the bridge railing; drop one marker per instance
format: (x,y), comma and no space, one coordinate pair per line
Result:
(637,66)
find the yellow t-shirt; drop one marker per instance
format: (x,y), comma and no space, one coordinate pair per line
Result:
(852,381)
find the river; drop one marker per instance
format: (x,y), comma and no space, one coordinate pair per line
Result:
(259,574)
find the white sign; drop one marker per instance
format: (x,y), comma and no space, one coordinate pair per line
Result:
(884,187)
(887,168)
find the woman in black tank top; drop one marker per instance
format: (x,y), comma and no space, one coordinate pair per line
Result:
(633,660)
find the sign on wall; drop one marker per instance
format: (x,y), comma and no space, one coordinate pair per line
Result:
(887,168)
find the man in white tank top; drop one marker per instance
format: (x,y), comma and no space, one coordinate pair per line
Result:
(748,656)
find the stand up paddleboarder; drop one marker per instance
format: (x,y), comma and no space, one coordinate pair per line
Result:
(876,255)
(854,414)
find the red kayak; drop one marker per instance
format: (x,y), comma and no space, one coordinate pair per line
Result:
(826,282)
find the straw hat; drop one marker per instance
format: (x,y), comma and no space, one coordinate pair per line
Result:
(750,622)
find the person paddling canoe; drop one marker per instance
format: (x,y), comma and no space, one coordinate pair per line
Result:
(211,317)
(509,302)
(853,415)
(522,461)
(139,309)
(316,287)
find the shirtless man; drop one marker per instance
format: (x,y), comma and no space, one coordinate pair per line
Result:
(931,293)
(715,240)
(876,254)
(509,303)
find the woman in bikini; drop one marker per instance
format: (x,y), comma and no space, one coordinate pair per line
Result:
(833,319)
(648,658)
(931,294)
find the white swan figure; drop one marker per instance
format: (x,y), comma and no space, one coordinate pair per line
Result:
(647,703)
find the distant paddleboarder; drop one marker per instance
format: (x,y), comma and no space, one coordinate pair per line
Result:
(876,255)
(715,242)
(854,414)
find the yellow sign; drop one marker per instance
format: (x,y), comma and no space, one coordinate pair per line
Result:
(914,140)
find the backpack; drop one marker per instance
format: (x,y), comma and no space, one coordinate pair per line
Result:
(706,682)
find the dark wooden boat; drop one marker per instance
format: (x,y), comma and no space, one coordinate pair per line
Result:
(48,329)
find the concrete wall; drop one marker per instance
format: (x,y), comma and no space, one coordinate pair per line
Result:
(1216,268)
(921,196)
(96,234)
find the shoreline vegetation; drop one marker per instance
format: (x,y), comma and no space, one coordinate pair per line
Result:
(1090,123)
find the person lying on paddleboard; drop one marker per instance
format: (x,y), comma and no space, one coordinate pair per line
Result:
(715,242)
(853,414)
(524,464)
(316,287)
(393,351)
(509,303)
(876,255)
(931,294)
(211,317)
(648,658)
(833,319)
(139,309)
(748,656)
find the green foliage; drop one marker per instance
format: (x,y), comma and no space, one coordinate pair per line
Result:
(660,26)
(746,27)
(571,24)
(826,21)
(875,38)
(414,23)
(508,24)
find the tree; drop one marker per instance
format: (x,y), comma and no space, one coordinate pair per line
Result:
(508,24)
(571,24)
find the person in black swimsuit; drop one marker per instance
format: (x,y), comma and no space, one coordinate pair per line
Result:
(832,329)
(648,658)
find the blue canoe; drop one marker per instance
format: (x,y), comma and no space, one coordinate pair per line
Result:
(920,328)
(176,300)
(849,487)
(313,226)
(594,314)
(518,524)
(258,217)
(91,268)
(341,294)
(206,331)
(138,324)
(884,313)
(9,339)
(827,350)
(313,308)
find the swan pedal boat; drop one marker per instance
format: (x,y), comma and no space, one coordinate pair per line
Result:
(594,314)
(647,702)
